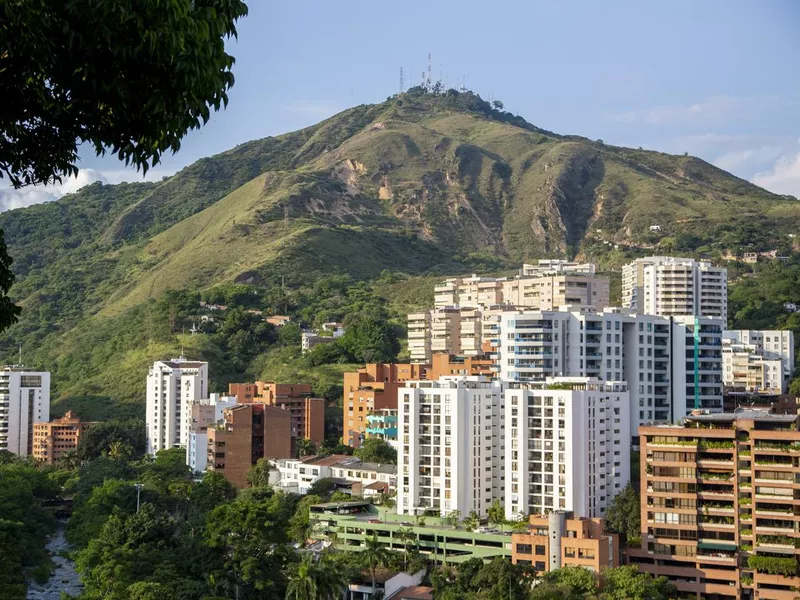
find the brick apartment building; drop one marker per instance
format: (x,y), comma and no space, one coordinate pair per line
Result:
(307,413)
(54,439)
(372,388)
(247,433)
(721,505)
(559,540)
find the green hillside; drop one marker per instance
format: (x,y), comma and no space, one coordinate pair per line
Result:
(421,185)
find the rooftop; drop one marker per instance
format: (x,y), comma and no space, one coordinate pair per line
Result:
(745,414)
(413,592)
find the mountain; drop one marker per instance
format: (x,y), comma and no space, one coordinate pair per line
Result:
(420,184)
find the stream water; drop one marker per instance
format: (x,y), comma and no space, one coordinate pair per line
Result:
(64,579)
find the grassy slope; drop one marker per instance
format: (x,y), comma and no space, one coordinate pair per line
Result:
(464,192)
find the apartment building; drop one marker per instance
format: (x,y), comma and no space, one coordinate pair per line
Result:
(57,438)
(446,365)
(172,387)
(246,433)
(382,424)
(204,413)
(719,497)
(561,540)
(745,369)
(546,292)
(670,286)
(544,286)
(307,413)
(546,266)
(373,388)
(653,355)
(770,344)
(567,446)
(24,400)
(450,453)
(696,364)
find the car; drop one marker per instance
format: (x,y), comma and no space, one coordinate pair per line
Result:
(375,521)
(406,524)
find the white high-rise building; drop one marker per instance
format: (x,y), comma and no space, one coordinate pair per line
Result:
(24,400)
(567,446)
(670,286)
(617,345)
(770,344)
(172,387)
(451,446)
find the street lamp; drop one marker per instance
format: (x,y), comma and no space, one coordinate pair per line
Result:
(138,487)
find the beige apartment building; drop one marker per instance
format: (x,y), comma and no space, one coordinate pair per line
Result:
(745,369)
(466,314)
(543,291)
(719,502)
(670,286)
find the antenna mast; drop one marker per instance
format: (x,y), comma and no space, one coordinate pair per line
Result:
(401,80)
(429,69)
(20,355)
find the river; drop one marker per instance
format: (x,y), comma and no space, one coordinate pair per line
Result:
(64,579)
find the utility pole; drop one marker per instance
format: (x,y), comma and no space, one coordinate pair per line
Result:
(138,487)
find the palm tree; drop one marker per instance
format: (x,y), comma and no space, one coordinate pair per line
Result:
(375,555)
(305,447)
(303,586)
(118,450)
(405,535)
(69,460)
(320,580)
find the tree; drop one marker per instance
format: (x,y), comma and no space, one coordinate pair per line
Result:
(628,583)
(375,555)
(472,521)
(624,516)
(99,438)
(258,474)
(496,513)
(497,105)
(305,447)
(376,450)
(106,75)
(320,580)
(580,581)
(9,312)
(250,535)
(406,536)
(794,387)
(454,516)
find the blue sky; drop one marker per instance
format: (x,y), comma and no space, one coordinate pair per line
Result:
(717,79)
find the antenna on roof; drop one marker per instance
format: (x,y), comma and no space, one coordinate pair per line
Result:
(20,355)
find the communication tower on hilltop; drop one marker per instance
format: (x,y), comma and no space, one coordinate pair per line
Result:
(402,88)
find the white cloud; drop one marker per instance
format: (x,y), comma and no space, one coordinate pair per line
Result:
(37,194)
(783,178)
(742,159)
(716,108)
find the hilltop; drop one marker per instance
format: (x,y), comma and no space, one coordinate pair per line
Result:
(422,184)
